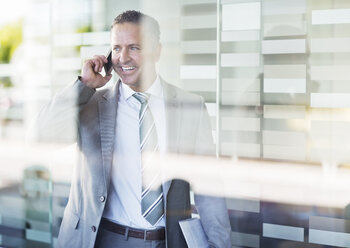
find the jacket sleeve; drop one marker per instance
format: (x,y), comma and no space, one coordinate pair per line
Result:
(212,209)
(57,121)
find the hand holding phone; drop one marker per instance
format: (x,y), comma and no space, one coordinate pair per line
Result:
(91,71)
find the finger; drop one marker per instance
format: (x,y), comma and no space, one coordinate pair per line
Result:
(89,66)
(109,76)
(101,57)
(98,64)
(105,60)
(101,63)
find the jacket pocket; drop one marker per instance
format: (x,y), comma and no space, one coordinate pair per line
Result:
(72,219)
(69,234)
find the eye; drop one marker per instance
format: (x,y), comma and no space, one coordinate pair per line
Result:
(117,49)
(134,48)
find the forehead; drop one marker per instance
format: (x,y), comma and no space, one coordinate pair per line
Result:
(126,33)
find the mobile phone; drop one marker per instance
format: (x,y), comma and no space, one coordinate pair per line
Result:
(108,66)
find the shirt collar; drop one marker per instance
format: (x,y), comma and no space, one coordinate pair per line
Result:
(154,90)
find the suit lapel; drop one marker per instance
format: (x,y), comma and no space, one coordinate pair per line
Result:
(173,124)
(173,117)
(176,192)
(107,107)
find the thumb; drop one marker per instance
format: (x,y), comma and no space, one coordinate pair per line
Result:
(107,77)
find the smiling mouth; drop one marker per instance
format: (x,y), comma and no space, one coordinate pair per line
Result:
(128,68)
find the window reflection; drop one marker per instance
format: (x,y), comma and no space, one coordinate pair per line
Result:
(274,76)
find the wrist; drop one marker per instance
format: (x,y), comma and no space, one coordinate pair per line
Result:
(85,82)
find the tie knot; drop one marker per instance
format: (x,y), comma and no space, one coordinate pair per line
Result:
(141,97)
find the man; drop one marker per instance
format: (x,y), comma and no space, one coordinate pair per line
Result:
(109,205)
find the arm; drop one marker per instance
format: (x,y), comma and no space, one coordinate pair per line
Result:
(212,209)
(215,220)
(58,120)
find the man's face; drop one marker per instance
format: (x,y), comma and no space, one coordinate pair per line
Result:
(133,61)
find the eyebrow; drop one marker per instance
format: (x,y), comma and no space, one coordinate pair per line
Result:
(134,44)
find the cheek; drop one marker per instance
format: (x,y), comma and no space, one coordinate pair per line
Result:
(138,59)
(149,58)
(114,59)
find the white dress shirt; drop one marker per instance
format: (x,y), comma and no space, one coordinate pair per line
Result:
(124,198)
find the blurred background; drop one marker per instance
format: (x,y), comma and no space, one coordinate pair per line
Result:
(276,79)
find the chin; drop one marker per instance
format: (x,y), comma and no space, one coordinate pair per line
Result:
(130,83)
(127,80)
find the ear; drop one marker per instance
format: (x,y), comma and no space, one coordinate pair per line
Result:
(157,52)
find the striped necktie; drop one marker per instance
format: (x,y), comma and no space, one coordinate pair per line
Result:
(152,202)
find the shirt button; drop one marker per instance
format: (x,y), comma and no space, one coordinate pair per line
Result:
(93,228)
(102,198)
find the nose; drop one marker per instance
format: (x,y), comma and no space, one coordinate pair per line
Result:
(124,56)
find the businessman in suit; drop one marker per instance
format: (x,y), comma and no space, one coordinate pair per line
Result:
(109,203)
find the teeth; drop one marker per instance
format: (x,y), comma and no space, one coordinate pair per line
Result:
(128,68)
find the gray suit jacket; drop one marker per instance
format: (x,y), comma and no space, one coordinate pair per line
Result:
(188,132)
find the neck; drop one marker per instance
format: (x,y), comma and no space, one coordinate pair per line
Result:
(146,83)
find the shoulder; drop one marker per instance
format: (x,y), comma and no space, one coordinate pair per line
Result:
(100,96)
(180,94)
(105,93)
